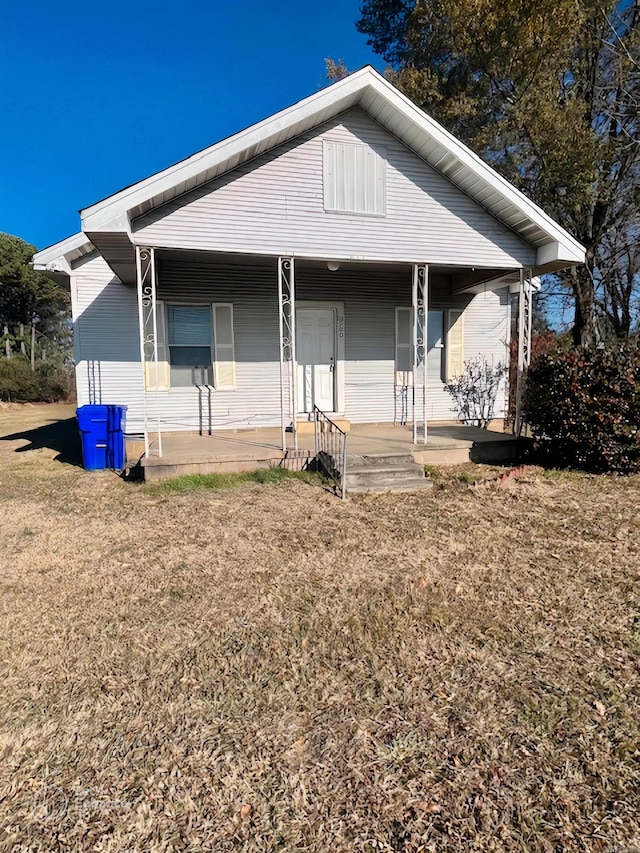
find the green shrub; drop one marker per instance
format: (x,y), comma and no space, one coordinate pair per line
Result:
(583,407)
(20,384)
(55,381)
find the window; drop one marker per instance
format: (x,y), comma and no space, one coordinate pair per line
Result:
(435,343)
(195,346)
(190,338)
(354,179)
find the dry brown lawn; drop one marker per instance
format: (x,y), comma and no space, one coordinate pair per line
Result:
(267,668)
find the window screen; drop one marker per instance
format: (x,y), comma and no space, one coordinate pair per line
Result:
(189,339)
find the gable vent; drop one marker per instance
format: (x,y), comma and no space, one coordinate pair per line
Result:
(354,179)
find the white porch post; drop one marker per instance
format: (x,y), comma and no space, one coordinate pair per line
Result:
(525,313)
(287,323)
(148,325)
(419,314)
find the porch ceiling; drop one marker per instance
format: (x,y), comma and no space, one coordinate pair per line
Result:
(463,279)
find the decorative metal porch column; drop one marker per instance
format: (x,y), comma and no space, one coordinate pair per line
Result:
(148,324)
(288,363)
(420,314)
(525,314)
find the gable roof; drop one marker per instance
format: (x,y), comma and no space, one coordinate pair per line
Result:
(56,261)
(107,223)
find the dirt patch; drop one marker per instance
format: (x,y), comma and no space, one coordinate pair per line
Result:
(269,668)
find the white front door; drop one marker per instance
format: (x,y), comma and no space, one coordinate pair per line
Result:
(316,354)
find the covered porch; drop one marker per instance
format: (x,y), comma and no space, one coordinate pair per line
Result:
(248,449)
(372,370)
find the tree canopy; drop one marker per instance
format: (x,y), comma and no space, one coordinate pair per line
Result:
(27,295)
(548,93)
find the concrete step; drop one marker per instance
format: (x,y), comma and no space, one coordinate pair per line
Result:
(306,427)
(443,456)
(415,485)
(390,473)
(357,460)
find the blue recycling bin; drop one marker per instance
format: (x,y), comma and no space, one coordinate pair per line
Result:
(102,436)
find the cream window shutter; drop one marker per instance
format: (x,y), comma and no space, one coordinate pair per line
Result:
(454,346)
(224,363)
(159,382)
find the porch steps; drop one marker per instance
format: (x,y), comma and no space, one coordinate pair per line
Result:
(385,473)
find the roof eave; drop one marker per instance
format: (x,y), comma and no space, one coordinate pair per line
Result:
(56,261)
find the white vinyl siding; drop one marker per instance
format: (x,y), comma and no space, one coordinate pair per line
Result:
(354,179)
(274,205)
(107,340)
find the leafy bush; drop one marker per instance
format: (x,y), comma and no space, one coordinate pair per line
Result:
(18,383)
(583,407)
(56,381)
(541,342)
(475,391)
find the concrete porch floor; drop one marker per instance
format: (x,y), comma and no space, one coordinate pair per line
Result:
(243,450)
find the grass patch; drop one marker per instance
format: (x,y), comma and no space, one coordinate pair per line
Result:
(271,669)
(224,480)
(467,473)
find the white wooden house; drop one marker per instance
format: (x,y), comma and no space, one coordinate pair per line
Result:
(291,266)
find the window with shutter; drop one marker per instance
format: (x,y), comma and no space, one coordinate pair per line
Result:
(436,345)
(200,346)
(354,179)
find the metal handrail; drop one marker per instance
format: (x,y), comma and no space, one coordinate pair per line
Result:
(331,449)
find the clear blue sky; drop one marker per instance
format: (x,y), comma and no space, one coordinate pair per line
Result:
(95,96)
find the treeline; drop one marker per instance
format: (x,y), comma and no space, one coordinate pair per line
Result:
(548,93)
(36,333)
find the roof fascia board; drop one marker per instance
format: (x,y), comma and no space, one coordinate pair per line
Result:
(557,251)
(59,251)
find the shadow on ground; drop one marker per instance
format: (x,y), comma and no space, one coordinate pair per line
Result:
(60,436)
